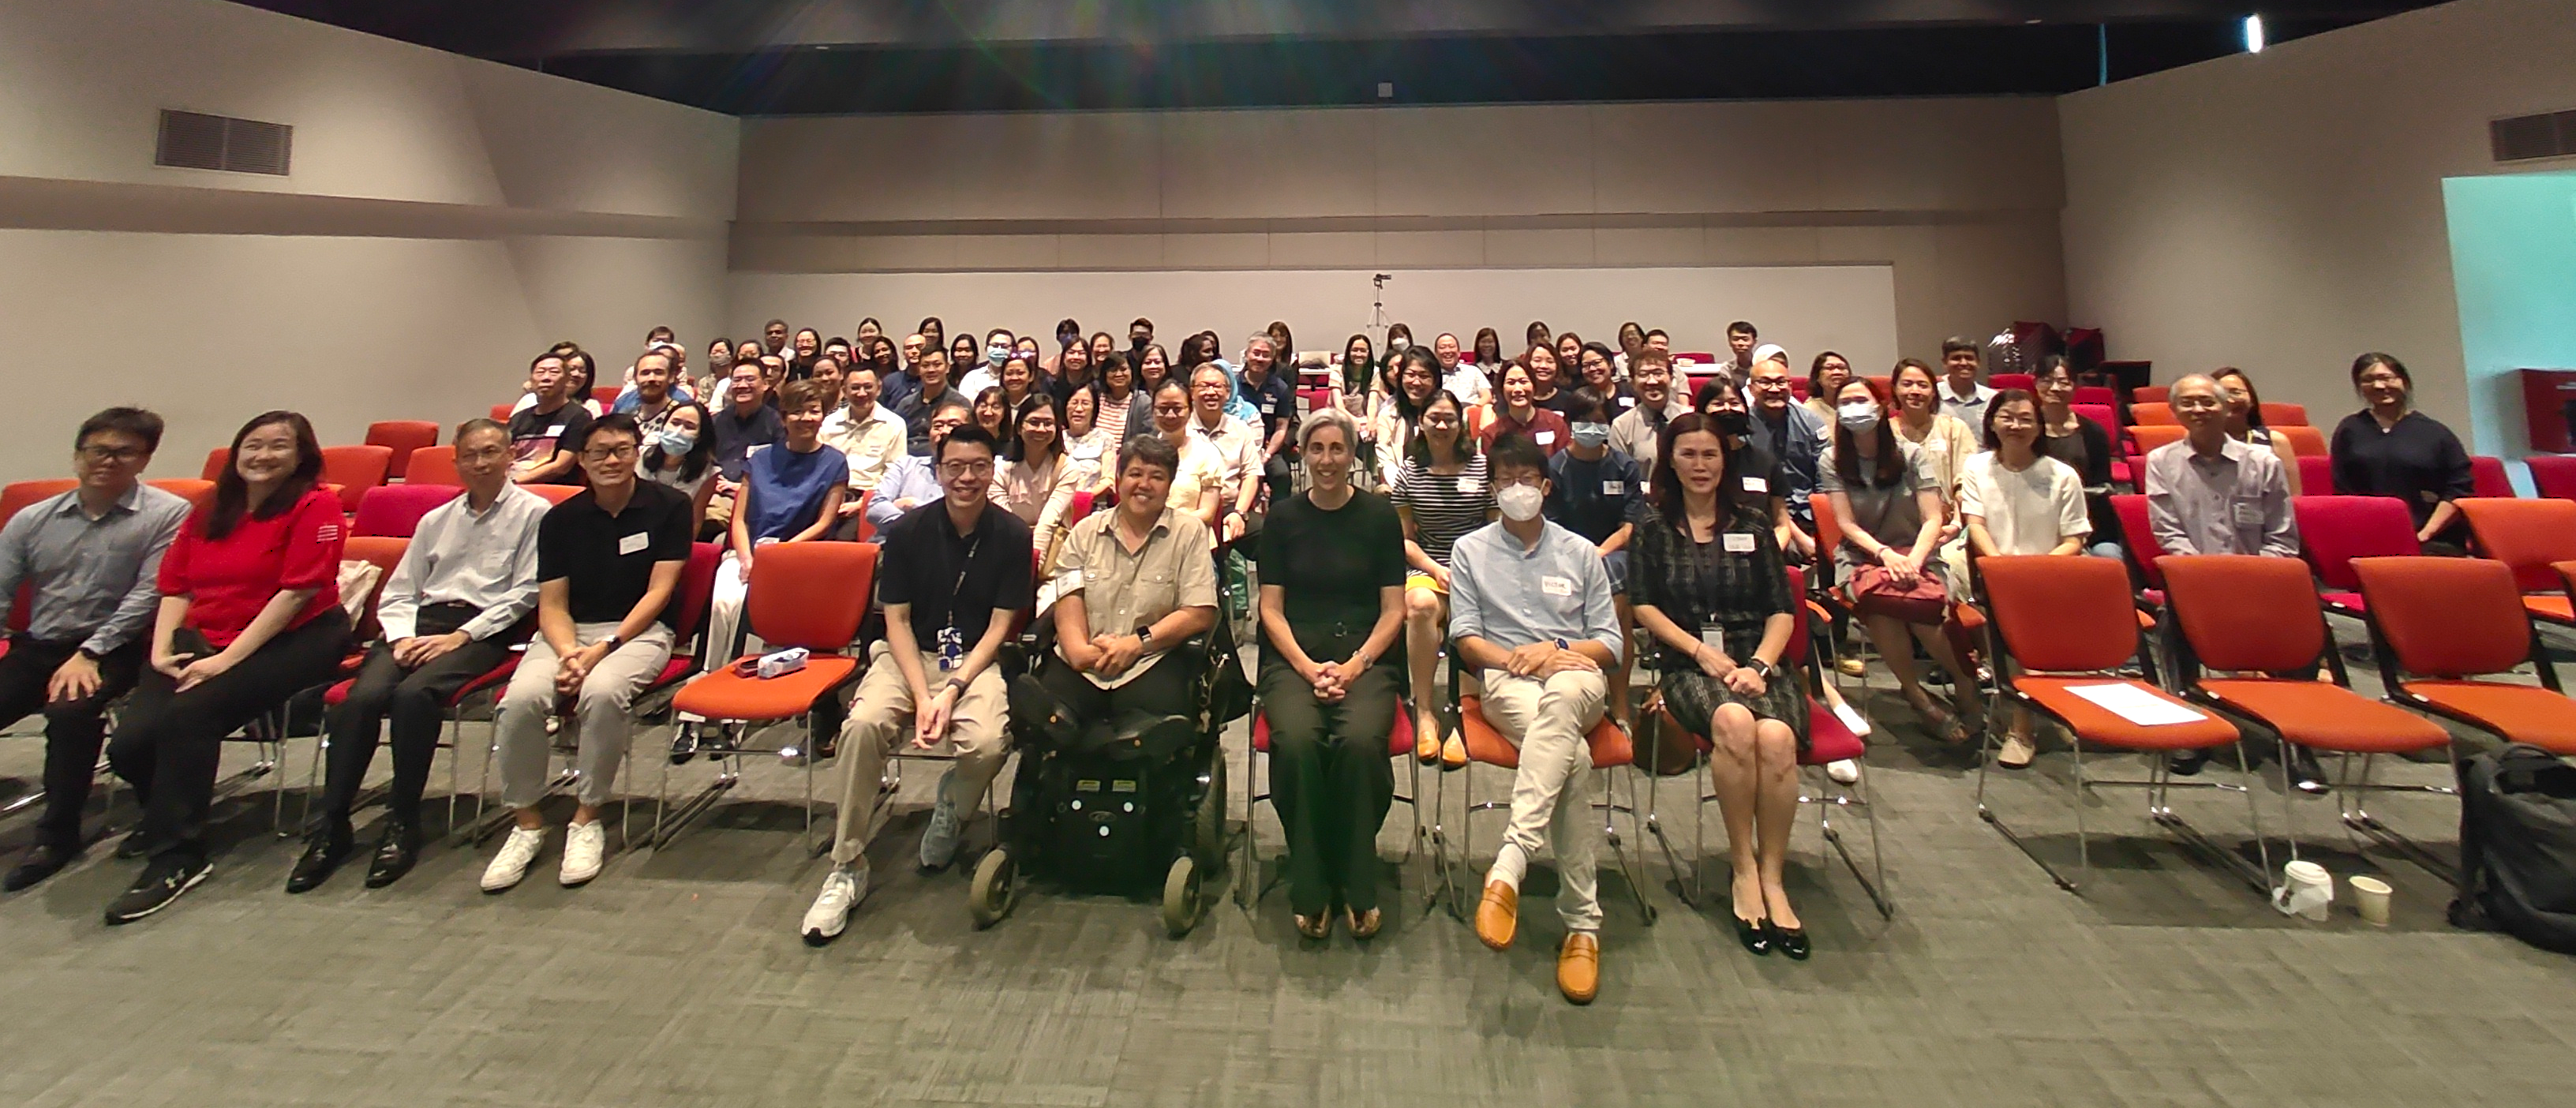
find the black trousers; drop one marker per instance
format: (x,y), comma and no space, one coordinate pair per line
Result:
(73,729)
(1161,691)
(1330,778)
(415,701)
(169,742)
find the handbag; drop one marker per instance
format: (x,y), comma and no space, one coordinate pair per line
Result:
(1875,593)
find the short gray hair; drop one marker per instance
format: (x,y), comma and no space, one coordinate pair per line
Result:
(1263,337)
(1330,416)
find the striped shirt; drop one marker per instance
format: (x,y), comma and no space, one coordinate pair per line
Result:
(1444,508)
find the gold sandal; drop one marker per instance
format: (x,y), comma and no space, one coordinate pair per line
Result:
(1364,925)
(1316,927)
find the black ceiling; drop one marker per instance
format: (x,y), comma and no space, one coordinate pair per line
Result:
(799,57)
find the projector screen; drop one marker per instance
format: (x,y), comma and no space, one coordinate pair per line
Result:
(1851,309)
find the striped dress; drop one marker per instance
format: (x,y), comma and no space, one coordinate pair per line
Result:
(1445,508)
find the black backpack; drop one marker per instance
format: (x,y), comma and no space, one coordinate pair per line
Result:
(2518,847)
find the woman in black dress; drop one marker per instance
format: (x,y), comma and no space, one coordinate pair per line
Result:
(1709,584)
(2390,449)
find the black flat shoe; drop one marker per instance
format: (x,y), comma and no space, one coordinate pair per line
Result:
(43,860)
(684,745)
(396,853)
(1754,934)
(2305,774)
(2186,763)
(324,850)
(1791,941)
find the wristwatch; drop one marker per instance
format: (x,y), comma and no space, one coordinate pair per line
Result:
(614,640)
(92,655)
(1760,667)
(1145,635)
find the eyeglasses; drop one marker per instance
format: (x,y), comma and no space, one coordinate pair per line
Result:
(607,453)
(110,454)
(965,469)
(2196,403)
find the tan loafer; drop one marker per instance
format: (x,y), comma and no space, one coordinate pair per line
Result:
(1578,967)
(1453,753)
(1426,742)
(1498,915)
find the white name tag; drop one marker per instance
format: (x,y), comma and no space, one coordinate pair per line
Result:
(1757,484)
(1627,402)
(1738,542)
(1269,407)
(555,432)
(1471,485)
(1545,438)
(1613,488)
(2249,514)
(1715,637)
(1556,586)
(631,543)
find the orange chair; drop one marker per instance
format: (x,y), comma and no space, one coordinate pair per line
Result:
(555,494)
(190,489)
(17,495)
(2152,415)
(809,594)
(2529,536)
(2278,414)
(216,460)
(402,436)
(432,465)
(501,413)
(2307,442)
(2146,437)
(2149,394)
(355,469)
(2448,620)
(2067,625)
(1610,749)
(2257,618)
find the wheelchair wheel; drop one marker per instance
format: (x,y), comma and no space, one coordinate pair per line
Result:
(1181,906)
(1207,825)
(994,889)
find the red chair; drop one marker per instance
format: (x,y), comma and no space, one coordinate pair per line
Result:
(2305,441)
(1252,884)
(396,510)
(2448,620)
(2140,537)
(2553,475)
(190,489)
(1830,739)
(1699,357)
(432,465)
(2257,619)
(2023,381)
(2316,475)
(2488,478)
(2153,415)
(2096,394)
(1798,388)
(2067,626)
(2277,414)
(605,395)
(501,413)
(809,594)
(2529,536)
(2334,530)
(2149,394)
(2146,437)
(402,436)
(216,460)
(555,494)
(1609,747)
(2109,421)
(355,469)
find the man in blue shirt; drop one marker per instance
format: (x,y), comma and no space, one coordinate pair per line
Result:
(90,559)
(1793,437)
(1531,613)
(1274,396)
(910,480)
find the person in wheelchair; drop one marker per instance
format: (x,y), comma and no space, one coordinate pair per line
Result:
(1138,583)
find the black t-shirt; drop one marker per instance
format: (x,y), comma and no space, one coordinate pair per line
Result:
(1275,398)
(2088,453)
(954,580)
(736,435)
(610,559)
(534,437)
(1757,477)
(1331,564)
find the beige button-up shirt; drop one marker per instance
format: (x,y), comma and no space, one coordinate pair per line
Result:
(868,443)
(1238,451)
(1123,590)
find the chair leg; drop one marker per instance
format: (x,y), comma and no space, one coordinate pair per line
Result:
(2083,841)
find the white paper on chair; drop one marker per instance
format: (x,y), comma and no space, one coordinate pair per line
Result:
(2137,705)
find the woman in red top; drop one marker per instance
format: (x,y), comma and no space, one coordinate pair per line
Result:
(250,615)
(1518,412)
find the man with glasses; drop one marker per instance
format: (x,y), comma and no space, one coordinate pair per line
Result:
(1795,438)
(452,610)
(89,559)
(953,575)
(608,571)
(1638,432)
(1237,446)
(910,479)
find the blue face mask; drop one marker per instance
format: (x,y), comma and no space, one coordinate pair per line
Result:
(675,441)
(997,355)
(1592,436)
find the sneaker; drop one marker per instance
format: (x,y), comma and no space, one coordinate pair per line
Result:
(518,852)
(585,850)
(167,876)
(939,840)
(1844,771)
(843,889)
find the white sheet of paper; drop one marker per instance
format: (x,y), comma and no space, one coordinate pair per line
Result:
(2137,706)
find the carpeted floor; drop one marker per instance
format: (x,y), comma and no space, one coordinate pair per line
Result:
(677,978)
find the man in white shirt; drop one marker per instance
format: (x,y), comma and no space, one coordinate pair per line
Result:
(453,607)
(867,434)
(1237,447)
(1639,431)
(1963,397)
(1463,381)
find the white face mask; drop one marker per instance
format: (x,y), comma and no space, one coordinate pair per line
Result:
(1520,503)
(1399,344)
(1860,416)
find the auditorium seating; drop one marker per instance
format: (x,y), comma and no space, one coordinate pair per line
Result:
(2488,477)
(2440,624)
(2529,537)
(396,510)
(432,465)
(2334,530)
(355,469)
(2553,475)
(402,436)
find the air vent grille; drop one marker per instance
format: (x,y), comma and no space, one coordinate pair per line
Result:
(191,140)
(2526,137)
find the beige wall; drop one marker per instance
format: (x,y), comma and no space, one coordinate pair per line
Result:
(445,219)
(1957,197)
(2282,211)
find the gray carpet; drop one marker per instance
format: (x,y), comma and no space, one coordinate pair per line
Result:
(677,977)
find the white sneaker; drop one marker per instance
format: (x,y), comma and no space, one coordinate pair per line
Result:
(585,848)
(1844,771)
(939,840)
(517,853)
(843,889)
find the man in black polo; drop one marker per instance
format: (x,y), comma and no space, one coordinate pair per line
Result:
(931,371)
(748,422)
(540,434)
(953,575)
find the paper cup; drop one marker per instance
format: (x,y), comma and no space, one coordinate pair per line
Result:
(2306,891)
(2370,897)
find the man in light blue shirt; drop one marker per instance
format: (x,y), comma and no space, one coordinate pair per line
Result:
(91,561)
(910,480)
(1530,610)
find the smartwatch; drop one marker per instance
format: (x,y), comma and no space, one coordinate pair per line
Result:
(1761,667)
(1145,635)
(614,640)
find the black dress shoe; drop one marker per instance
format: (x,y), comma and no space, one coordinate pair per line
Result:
(324,850)
(171,873)
(2186,763)
(396,853)
(2305,774)
(43,860)
(684,744)
(1754,934)
(1791,941)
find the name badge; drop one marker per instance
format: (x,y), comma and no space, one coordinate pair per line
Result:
(1471,485)
(1627,402)
(629,544)
(1738,542)
(1269,407)
(1556,586)
(2249,513)
(555,432)
(1545,438)
(1715,637)
(1757,484)
(1614,488)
